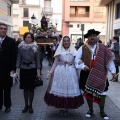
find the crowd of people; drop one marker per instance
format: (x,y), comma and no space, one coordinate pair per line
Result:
(65,89)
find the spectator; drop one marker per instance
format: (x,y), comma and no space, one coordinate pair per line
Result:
(7,66)
(28,60)
(99,41)
(42,55)
(115,49)
(49,54)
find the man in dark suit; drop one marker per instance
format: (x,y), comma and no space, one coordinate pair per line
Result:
(7,65)
(54,47)
(99,41)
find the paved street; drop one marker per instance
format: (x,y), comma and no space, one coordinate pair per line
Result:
(43,112)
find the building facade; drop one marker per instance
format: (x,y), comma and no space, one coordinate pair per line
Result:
(83,12)
(23,12)
(6,14)
(53,10)
(113,18)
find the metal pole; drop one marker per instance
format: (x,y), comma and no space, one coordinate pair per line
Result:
(82,35)
(82,29)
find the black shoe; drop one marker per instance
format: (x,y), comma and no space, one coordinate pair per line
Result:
(89,114)
(30,110)
(115,80)
(104,116)
(66,113)
(61,112)
(111,79)
(7,110)
(25,109)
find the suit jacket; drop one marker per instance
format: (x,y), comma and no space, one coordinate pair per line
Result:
(53,52)
(7,61)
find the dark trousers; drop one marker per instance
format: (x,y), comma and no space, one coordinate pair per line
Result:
(5,97)
(117,69)
(41,60)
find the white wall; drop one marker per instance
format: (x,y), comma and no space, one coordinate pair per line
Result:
(57,6)
(97,26)
(57,12)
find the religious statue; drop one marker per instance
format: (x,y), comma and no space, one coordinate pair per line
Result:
(44,23)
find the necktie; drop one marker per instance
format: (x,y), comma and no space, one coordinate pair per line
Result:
(1,40)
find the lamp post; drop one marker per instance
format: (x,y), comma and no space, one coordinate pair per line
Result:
(33,22)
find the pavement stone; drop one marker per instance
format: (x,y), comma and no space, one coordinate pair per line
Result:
(44,112)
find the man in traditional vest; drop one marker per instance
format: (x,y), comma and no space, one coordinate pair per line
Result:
(94,60)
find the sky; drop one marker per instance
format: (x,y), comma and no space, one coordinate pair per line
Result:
(35,2)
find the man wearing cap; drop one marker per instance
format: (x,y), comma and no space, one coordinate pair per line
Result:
(94,60)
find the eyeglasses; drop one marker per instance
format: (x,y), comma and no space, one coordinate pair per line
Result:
(27,37)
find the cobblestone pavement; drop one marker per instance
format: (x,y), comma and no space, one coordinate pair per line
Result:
(43,112)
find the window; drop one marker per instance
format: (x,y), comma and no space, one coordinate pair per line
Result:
(25,23)
(118,11)
(79,11)
(70,25)
(9,9)
(25,12)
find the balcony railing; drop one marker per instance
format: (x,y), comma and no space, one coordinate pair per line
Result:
(6,18)
(80,0)
(80,15)
(46,10)
(15,1)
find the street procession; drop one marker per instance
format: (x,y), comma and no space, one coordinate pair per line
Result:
(59,59)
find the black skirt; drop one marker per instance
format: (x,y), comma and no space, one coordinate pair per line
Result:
(27,78)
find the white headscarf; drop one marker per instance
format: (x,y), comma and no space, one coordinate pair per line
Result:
(71,48)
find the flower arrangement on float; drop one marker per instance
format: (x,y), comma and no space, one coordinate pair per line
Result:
(49,32)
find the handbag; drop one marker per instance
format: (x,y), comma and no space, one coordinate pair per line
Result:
(38,82)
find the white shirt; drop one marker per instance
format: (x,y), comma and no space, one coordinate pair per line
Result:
(1,40)
(111,66)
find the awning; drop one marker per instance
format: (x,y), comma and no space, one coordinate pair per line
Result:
(104,2)
(23,30)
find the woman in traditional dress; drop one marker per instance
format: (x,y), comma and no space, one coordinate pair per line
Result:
(63,90)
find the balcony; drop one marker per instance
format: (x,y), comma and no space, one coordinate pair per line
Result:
(46,10)
(6,18)
(80,15)
(79,11)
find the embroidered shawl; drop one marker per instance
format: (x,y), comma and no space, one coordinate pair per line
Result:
(96,81)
